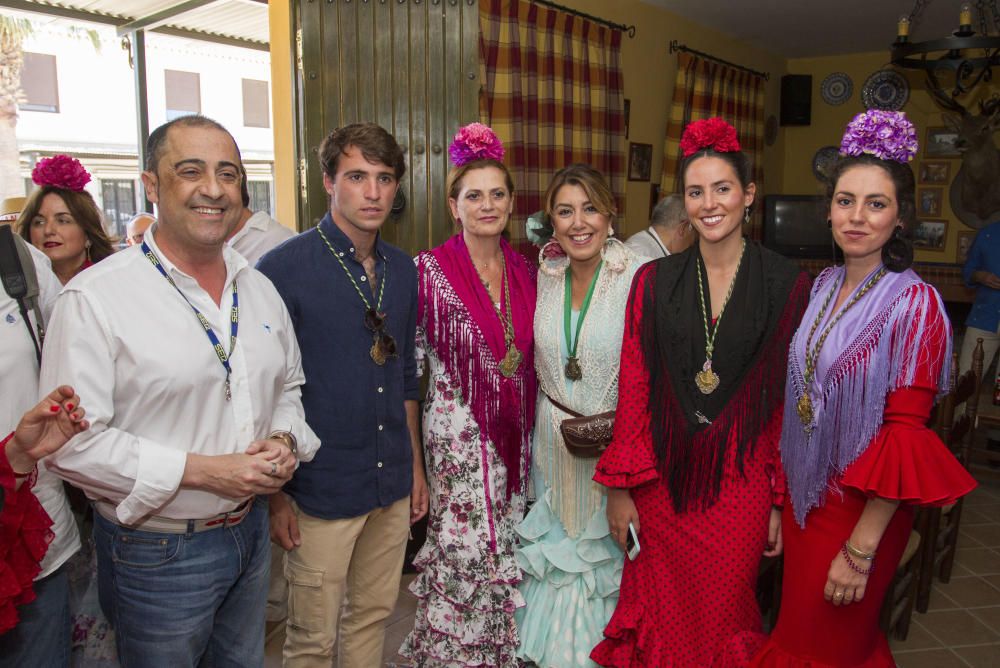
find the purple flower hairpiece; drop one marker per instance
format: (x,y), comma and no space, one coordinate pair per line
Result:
(475,142)
(887,135)
(61,171)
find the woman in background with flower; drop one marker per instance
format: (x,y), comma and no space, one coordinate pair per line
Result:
(694,464)
(571,565)
(62,220)
(864,367)
(476,302)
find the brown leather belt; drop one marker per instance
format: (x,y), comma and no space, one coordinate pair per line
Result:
(159,524)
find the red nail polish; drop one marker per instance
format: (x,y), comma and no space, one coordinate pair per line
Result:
(54,408)
(75,416)
(70,407)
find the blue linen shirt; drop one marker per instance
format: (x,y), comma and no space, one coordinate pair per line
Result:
(354,406)
(984,255)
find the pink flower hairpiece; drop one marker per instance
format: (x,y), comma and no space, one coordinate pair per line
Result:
(888,135)
(713,133)
(61,171)
(475,142)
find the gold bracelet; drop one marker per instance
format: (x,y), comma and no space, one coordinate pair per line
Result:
(288,439)
(855,552)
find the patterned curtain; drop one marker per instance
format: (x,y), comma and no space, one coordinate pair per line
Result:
(552,90)
(704,89)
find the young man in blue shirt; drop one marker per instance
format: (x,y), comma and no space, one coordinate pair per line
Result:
(344,517)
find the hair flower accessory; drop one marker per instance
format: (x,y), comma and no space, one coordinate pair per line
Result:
(61,171)
(713,133)
(888,135)
(475,142)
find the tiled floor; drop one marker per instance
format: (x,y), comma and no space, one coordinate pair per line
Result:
(961,628)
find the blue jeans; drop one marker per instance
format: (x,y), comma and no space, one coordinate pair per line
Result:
(186,600)
(41,638)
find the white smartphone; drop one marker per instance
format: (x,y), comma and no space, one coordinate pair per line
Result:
(632,543)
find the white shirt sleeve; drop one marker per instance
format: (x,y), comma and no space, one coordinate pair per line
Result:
(137,474)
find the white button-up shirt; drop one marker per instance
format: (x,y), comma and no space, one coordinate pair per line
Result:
(260,234)
(20,392)
(154,388)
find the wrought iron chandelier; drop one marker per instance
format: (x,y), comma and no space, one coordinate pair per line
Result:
(957,63)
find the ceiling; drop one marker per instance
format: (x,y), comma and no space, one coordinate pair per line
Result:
(237,22)
(805,28)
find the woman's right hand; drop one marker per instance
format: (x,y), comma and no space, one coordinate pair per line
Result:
(621,511)
(46,428)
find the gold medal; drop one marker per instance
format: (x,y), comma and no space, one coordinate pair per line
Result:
(376,352)
(510,362)
(805,410)
(573,370)
(706,379)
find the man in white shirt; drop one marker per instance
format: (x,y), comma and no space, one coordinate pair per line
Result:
(192,376)
(669,230)
(257,232)
(42,636)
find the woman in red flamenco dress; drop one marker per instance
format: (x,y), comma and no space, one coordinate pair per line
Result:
(694,463)
(24,524)
(872,352)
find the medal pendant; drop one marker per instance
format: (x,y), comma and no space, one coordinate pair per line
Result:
(376,353)
(573,370)
(229,391)
(510,362)
(805,410)
(706,379)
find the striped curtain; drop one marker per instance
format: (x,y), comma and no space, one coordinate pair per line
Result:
(552,90)
(704,89)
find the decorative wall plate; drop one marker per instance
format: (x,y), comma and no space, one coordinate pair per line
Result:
(886,90)
(823,162)
(837,88)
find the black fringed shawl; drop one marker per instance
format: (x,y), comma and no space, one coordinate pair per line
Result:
(751,355)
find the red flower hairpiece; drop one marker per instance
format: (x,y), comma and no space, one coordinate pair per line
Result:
(61,171)
(713,133)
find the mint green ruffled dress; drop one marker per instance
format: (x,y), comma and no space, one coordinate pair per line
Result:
(571,567)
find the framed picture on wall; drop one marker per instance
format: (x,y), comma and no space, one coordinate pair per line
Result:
(640,161)
(965,240)
(934,171)
(930,235)
(929,201)
(941,143)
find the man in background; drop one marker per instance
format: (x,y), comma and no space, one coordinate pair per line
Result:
(257,232)
(669,230)
(135,229)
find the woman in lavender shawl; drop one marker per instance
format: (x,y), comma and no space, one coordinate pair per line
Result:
(864,368)
(476,305)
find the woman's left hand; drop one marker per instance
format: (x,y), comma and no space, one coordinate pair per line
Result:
(774,544)
(844,585)
(46,428)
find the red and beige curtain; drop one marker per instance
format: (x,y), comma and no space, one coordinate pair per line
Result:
(706,88)
(553,92)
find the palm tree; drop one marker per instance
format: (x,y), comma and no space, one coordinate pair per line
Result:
(12,34)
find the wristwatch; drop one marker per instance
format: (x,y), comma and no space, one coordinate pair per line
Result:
(288,438)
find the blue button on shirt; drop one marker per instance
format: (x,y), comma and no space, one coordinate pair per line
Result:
(354,405)
(984,256)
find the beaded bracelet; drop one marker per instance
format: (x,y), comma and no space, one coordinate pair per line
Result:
(854,567)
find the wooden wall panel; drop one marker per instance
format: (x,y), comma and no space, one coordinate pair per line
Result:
(410,65)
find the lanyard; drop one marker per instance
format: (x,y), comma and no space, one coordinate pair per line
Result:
(381,287)
(234,318)
(573,338)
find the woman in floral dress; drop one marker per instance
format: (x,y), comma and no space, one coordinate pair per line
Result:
(476,305)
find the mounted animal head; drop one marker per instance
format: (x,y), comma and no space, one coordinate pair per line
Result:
(978,179)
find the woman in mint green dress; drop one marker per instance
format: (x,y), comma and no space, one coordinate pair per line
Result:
(571,566)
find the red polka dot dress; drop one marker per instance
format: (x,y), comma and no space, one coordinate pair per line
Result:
(688,599)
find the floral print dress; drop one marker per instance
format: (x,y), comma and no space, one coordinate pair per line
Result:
(467,586)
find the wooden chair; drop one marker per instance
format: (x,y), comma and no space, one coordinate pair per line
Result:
(939,526)
(897,608)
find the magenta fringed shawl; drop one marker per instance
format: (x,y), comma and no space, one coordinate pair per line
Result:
(875,348)
(463,329)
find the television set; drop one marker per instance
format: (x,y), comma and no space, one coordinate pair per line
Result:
(796,226)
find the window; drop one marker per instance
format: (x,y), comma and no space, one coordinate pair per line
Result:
(118,199)
(39,83)
(256,109)
(260,196)
(183,92)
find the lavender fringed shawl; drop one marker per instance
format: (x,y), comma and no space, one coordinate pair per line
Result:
(875,348)
(464,331)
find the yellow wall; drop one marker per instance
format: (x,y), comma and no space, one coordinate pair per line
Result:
(828,125)
(649,72)
(282,112)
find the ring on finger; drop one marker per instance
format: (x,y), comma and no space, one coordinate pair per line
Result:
(274,469)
